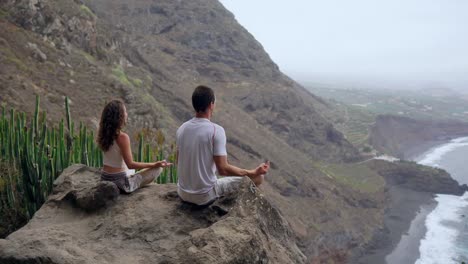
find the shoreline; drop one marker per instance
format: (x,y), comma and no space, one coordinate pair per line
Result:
(407,249)
(404,219)
(416,152)
(404,207)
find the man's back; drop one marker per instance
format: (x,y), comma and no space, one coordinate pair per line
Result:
(198,140)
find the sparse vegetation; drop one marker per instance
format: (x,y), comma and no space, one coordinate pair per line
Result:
(149,78)
(19,64)
(136,82)
(366,149)
(11,58)
(357,176)
(87,11)
(88,57)
(118,72)
(121,76)
(3,13)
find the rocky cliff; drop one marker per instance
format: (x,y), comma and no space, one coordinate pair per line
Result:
(87,221)
(408,174)
(403,136)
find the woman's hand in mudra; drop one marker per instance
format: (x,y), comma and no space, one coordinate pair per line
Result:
(162,164)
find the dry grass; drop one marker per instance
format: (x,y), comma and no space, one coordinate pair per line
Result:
(357,176)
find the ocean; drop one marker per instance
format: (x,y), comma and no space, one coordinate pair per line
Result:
(446,238)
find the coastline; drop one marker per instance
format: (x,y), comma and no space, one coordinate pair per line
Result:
(416,152)
(404,219)
(404,207)
(407,249)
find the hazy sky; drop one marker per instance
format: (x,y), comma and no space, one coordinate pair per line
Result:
(416,42)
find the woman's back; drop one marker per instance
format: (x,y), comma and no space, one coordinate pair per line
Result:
(113,157)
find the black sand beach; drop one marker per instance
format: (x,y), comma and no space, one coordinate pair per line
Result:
(407,250)
(415,152)
(404,207)
(407,208)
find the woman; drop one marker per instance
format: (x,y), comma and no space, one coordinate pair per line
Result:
(117,152)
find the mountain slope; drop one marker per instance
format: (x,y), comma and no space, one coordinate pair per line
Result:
(152,54)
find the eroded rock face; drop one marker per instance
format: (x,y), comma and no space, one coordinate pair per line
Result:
(85,221)
(416,177)
(401,136)
(76,26)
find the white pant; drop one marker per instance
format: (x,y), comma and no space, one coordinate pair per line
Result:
(222,187)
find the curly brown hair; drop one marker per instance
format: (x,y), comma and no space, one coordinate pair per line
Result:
(112,121)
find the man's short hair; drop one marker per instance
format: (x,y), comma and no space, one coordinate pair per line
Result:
(202,97)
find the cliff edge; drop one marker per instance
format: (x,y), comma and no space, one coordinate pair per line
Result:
(403,137)
(87,221)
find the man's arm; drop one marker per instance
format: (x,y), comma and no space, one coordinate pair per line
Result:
(222,164)
(226,169)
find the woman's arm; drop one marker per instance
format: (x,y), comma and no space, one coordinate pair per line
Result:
(123,141)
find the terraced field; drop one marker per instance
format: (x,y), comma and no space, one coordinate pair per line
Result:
(353,111)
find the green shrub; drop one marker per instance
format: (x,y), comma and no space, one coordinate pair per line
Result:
(120,75)
(12,210)
(87,11)
(3,13)
(137,82)
(366,149)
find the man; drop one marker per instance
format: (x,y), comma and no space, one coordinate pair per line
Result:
(201,150)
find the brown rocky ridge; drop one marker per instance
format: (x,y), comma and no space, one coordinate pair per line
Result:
(87,221)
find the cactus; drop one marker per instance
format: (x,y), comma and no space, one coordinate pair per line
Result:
(40,152)
(147,153)
(67,111)
(140,148)
(36,117)
(10,134)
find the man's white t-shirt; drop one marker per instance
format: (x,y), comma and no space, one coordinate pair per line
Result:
(198,140)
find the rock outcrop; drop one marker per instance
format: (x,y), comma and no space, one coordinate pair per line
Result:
(416,177)
(87,221)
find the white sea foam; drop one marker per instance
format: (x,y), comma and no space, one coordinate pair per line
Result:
(459,140)
(434,156)
(439,244)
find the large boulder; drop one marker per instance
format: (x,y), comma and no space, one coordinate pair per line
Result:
(86,221)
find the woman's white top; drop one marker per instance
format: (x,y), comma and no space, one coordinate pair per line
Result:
(113,157)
